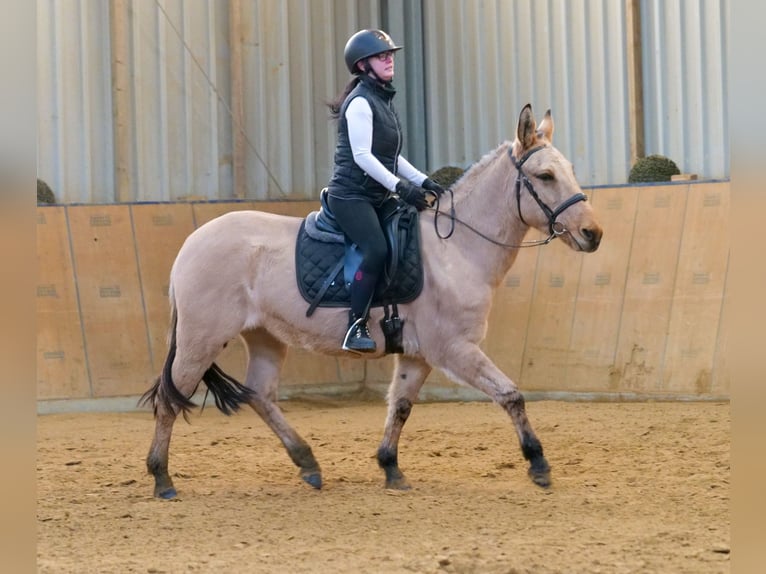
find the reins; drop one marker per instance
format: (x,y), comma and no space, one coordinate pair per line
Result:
(555,228)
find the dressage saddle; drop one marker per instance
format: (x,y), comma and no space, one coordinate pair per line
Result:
(325,259)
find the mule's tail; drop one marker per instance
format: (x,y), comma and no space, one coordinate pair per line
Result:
(228,393)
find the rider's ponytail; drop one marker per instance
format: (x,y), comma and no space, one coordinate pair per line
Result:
(337,103)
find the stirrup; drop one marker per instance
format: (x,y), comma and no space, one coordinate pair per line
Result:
(358,338)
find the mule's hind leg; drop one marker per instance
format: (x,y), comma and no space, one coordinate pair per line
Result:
(157,459)
(186,376)
(266,357)
(467,363)
(409,375)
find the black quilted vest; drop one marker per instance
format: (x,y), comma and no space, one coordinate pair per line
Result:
(348,179)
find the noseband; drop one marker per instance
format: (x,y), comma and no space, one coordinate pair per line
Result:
(555,228)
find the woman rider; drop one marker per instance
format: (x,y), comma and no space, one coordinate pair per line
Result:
(368,167)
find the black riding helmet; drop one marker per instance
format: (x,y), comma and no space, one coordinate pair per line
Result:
(364,44)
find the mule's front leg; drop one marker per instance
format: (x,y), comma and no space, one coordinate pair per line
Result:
(468,364)
(409,375)
(539,469)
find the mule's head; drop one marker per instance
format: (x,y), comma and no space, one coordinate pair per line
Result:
(547,194)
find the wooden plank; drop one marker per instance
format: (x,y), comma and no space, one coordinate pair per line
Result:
(110,299)
(695,314)
(61,365)
(123,94)
(207,211)
(160,230)
(721,367)
(599,297)
(233,359)
(648,295)
(550,319)
(236,72)
(291,208)
(306,368)
(510,313)
(634,48)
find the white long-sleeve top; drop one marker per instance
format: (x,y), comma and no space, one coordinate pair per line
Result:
(359,121)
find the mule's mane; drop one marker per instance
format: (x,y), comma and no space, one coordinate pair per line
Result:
(468,179)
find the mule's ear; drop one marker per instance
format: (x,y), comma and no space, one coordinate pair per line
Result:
(526,132)
(546,127)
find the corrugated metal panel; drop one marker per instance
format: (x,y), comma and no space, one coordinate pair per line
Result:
(174,127)
(293,64)
(685,73)
(74,136)
(182,132)
(142,100)
(486,60)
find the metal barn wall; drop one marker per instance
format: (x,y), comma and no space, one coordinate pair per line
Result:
(177,134)
(291,65)
(143,100)
(74,100)
(487,59)
(152,101)
(685,83)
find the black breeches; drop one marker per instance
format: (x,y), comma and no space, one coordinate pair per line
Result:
(359,221)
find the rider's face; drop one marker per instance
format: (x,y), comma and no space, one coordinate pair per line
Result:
(383,65)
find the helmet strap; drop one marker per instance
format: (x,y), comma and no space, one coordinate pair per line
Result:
(370,72)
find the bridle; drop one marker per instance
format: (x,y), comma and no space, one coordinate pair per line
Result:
(555,228)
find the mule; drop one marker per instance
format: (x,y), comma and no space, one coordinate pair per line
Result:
(235,275)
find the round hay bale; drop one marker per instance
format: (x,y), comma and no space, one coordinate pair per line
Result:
(447,175)
(44,193)
(653,168)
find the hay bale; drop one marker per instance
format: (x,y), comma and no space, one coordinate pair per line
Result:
(653,168)
(447,175)
(44,193)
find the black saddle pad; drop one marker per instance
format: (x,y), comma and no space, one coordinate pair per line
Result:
(316,260)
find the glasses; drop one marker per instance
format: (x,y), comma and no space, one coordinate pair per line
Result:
(383,56)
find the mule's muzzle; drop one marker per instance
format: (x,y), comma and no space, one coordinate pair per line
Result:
(591,238)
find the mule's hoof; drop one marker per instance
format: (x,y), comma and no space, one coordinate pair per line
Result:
(540,472)
(313,478)
(541,477)
(398,484)
(167,494)
(543,480)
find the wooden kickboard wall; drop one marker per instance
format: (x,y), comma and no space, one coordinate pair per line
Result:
(644,315)
(648,294)
(62,370)
(598,307)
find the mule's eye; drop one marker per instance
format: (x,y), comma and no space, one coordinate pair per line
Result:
(545,176)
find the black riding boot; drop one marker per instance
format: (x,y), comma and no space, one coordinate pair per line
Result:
(357,337)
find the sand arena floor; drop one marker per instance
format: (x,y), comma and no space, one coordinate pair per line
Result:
(637,487)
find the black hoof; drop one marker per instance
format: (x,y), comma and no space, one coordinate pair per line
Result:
(398,484)
(540,473)
(543,480)
(314,479)
(167,494)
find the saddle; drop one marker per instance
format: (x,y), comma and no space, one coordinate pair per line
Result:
(326,261)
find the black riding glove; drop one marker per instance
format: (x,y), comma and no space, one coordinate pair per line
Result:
(412,194)
(430,185)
